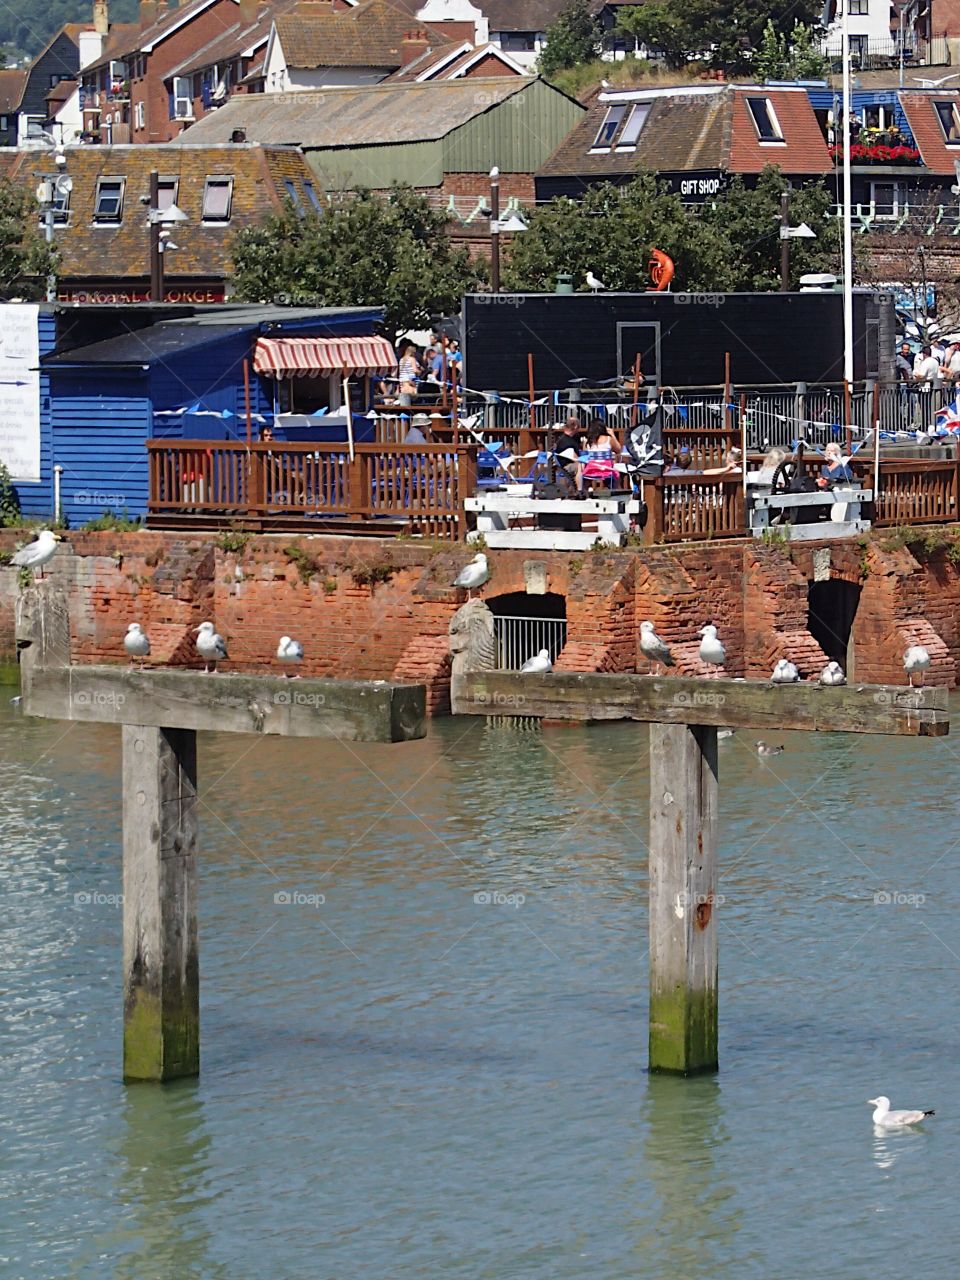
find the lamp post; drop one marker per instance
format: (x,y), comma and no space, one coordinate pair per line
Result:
(788,233)
(495,229)
(48,192)
(847,201)
(159,220)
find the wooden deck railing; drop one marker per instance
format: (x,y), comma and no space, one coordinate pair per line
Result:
(913,491)
(691,508)
(286,485)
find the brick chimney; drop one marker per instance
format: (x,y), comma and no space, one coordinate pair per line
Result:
(413,45)
(248,12)
(148,12)
(101,17)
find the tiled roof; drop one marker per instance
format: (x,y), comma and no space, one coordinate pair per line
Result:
(118,251)
(60,92)
(448,60)
(522,15)
(356,117)
(121,41)
(694,128)
(232,42)
(925,126)
(134,38)
(12,84)
(369,35)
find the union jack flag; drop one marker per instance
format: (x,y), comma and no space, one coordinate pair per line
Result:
(948,418)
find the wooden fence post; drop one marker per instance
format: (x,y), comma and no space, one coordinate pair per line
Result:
(684,792)
(466,484)
(653,494)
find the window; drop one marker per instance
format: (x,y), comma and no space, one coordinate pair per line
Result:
(858,8)
(33,126)
(118,71)
(294,194)
(181,98)
(611,123)
(949,115)
(518,41)
(217,198)
(61,203)
(56,78)
(109,200)
(765,119)
(312,196)
(166,192)
(888,198)
(4,122)
(635,122)
(139,116)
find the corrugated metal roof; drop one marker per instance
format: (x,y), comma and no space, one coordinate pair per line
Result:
(356,117)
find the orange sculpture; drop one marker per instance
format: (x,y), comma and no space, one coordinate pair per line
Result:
(661,270)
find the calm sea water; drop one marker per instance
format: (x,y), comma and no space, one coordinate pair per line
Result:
(405,1082)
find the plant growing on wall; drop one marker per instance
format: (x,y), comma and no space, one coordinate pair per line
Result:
(9,500)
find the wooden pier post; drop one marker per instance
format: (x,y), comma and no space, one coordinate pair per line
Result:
(161,979)
(684,794)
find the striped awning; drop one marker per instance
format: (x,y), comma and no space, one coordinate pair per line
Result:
(320,357)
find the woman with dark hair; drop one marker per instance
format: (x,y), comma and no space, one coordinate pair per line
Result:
(604,450)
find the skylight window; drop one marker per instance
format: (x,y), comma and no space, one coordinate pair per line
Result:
(217,199)
(765,120)
(949,116)
(635,122)
(611,123)
(109,200)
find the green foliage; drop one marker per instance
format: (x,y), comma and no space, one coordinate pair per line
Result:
(725,33)
(233,540)
(793,56)
(115,521)
(306,565)
(368,575)
(574,38)
(25,26)
(731,244)
(9,499)
(25,257)
(361,250)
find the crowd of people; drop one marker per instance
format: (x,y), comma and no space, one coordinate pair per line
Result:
(934,362)
(422,371)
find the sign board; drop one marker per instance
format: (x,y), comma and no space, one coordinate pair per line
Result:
(20,389)
(694,188)
(138,293)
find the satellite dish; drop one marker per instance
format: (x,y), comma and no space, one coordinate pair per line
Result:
(64,184)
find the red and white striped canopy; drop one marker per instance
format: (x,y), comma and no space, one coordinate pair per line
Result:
(320,357)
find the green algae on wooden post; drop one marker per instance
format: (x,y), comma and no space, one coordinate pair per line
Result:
(683,899)
(161,1009)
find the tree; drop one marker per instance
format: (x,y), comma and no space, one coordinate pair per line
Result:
(574,38)
(727,34)
(362,249)
(793,57)
(26,260)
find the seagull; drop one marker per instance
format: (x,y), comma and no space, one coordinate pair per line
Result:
(136,643)
(832,673)
(36,554)
(785,673)
(711,650)
(765,749)
(210,646)
(473,575)
(916,659)
(724,735)
(289,650)
(888,1119)
(593,283)
(925,83)
(540,663)
(652,647)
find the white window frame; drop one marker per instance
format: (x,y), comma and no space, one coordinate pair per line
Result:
(898,203)
(165,185)
(217,180)
(139,115)
(749,99)
(625,143)
(183,97)
(109,220)
(617,110)
(955,111)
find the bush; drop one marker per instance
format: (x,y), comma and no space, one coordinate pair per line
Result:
(9,500)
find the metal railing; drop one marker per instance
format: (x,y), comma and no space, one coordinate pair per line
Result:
(518,639)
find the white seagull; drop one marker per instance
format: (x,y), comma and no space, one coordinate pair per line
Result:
(36,554)
(593,283)
(652,647)
(711,650)
(916,659)
(832,673)
(888,1119)
(136,643)
(785,672)
(210,646)
(472,576)
(289,650)
(765,749)
(540,663)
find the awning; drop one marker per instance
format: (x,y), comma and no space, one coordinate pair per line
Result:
(320,357)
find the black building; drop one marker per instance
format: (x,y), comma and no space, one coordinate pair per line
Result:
(23,94)
(681,338)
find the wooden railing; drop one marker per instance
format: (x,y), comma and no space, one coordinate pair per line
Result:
(269,484)
(691,508)
(913,491)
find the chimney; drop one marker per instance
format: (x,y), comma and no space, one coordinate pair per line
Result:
(413,45)
(249,9)
(148,13)
(101,18)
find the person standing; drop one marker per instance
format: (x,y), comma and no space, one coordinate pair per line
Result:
(408,374)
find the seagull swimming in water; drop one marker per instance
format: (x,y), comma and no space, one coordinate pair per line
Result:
(37,553)
(540,663)
(711,650)
(593,283)
(473,575)
(652,647)
(832,673)
(765,749)
(916,659)
(210,646)
(289,650)
(136,643)
(888,1119)
(785,672)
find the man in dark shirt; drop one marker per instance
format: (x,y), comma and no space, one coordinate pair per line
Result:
(904,363)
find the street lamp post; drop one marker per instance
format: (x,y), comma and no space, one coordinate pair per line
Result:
(158,221)
(847,201)
(495,229)
(48,192)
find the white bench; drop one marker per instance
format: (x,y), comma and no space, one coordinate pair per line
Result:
(844,501)
(499,515)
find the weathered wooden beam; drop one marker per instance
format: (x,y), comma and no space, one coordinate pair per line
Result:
(161,978)
(746,704)
(352,710)
(683,899)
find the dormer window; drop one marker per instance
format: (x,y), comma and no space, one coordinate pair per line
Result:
(949,116)
(611,123)
(765,120)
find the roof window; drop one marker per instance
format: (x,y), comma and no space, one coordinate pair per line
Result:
(635,122)
(611,123)
(765,120)
(949,117)
(217,199)
(108,206)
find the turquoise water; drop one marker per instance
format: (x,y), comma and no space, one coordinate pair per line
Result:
(404,1082)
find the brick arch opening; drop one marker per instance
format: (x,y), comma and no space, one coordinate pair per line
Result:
(831,611)
(523,624)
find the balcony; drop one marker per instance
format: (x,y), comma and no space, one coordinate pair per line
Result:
(878,153)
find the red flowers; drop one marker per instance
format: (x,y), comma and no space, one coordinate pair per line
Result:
(878,154)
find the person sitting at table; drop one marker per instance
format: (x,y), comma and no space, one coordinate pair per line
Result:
(836,469)
(768,468)
(418,429)
(566,449)
(604,450)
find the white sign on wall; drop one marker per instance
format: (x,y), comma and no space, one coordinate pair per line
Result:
(20,389)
